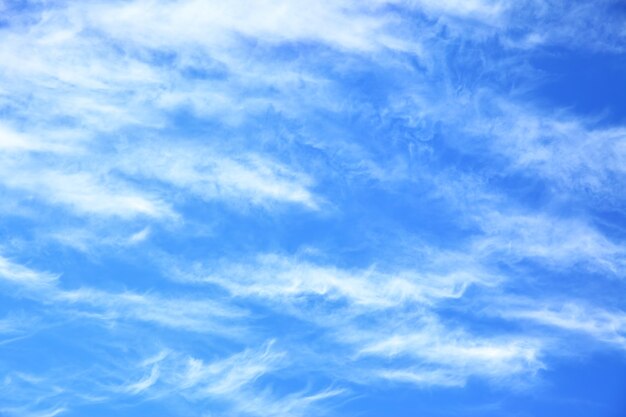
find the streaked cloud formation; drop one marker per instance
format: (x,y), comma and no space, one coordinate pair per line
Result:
(293,208)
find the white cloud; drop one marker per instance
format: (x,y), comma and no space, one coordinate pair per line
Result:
(292,405)
(233,373)
(83,192)
(282,279)
(603,325)
(203,171)
(24,276)
(553,241)
(96,239)
(565,150)
(14,141)
(216,25)
(192,314)
(418,349)
(145,383)
(442,356)
(139,236)
(31,396)
(233,380)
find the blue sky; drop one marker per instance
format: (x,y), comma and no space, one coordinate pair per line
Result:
(289,208)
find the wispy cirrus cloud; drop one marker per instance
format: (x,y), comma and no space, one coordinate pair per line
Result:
(440,356)
(377,188)
(276,278)
(23,276)
(574,316)
(202,171)
(192,377)
(572,154)
(188,313)
(239,383)
(86,194)
(557,243)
